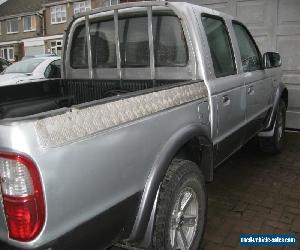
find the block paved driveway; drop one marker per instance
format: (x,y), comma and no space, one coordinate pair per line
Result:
(254,193)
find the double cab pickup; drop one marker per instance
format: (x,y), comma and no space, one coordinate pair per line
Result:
(153,97)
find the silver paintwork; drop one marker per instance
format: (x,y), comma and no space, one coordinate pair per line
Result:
(275,26)
(77,124)
(92,158)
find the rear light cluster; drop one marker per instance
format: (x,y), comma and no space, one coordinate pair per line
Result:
(23,199)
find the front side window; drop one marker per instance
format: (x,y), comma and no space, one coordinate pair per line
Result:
(250,55)
(12,25)
(53,70)
(7,53)
(220,46)
(58,14)
(82,6)
(29,23)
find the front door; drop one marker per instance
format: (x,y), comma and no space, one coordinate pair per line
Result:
(258,86)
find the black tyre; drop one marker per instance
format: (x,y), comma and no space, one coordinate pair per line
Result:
(181,208)
(275,143)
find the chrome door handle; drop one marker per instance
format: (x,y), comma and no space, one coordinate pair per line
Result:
(250,90)
(226,100)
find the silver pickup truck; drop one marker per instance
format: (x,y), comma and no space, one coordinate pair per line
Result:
(154,96)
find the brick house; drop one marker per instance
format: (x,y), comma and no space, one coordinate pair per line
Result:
(29,27)
(56,13)
(19,21)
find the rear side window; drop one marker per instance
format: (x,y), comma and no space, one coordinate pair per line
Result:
(220,46)
(250,55)
(170,48)
(78,57)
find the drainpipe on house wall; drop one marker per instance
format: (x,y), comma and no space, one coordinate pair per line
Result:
(43,23)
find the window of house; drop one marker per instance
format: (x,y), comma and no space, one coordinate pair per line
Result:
(29,23)
(58,14)
(250,54)
(0,28)
(220,45)
(82,6)
(56,47)
(114,2)
(12,25)
(8,54)
(110,2)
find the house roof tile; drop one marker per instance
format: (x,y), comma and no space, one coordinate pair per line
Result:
(16,7)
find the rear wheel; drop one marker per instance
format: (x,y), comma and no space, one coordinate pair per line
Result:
(275,143)
(181,208)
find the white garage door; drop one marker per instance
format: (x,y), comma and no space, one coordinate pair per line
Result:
(275,25)
(34,50)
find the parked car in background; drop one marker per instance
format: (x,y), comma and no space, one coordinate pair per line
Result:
(4,64)
(37,56)
(31,69)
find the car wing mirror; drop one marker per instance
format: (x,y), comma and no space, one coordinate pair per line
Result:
(271,60)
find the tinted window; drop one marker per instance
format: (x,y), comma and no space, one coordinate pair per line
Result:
(78,57)
(134,42)
(220,46)
(250,55)
(169,42)
(103,44)
(170,47)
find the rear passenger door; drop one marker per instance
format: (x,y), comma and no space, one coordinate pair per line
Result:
(258,85)
(227,88)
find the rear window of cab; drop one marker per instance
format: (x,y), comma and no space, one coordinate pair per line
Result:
(170,47)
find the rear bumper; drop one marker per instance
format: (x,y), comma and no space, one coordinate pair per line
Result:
(97,233)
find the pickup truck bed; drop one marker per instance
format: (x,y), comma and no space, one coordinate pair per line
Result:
(37,97)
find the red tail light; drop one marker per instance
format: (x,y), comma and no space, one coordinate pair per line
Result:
(23,199)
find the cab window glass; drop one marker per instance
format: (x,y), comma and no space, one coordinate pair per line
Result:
(134,42)
(103,44)
(78,56)
(220,46)
(250,55)
(170,47)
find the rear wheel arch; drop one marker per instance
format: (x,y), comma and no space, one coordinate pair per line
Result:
(183,144)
